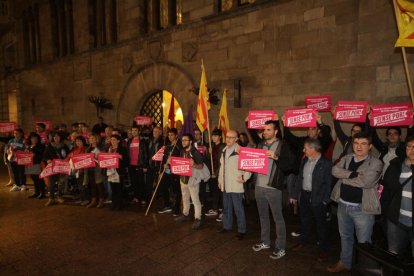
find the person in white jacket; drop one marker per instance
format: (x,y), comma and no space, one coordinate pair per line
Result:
(231,181)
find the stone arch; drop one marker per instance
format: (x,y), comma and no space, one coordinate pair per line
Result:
(149,78)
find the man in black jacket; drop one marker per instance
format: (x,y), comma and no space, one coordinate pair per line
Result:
(138,165)
(268,191)
(313,191)
(155,144)
(397,201)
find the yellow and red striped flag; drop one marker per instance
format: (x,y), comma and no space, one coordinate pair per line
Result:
(224,124)
(203,104)
(404,12)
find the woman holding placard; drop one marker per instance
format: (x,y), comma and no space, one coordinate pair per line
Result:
(37,149)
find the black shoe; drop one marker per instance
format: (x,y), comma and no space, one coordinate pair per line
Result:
(223,231)
(33,195)
(41,196)
(240,236)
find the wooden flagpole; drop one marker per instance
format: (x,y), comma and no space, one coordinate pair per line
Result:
(404,54)
(208,125)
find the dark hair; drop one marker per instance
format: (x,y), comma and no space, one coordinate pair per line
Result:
(60,134)
(217,132)
(409,139)
(173,130)
(19,130)
(314,143)
(198,130)
(398,129)
(190,136)
(362,135)
(34,134)
(116,136)
(361,126)
(42,125)
(81,138)
(274,123)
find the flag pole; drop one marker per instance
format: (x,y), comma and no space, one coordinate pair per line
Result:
(404,54)
(208,128)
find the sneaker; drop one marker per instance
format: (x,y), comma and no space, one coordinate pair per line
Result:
(176,214)
(196,224)
(182,218)
(108,201)
(219,218)
(295,234)
(278,253)
(84,203)
(211,213)
(165,210)
(24,188)
(15,188)
(135,201)
(260,246)
(50,202)
(60,200)
(143,203)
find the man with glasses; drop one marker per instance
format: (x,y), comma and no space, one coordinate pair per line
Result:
(356,195)
(231,181)
(268,190)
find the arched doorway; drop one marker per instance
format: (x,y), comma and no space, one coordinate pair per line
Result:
(158,106)
(149,80)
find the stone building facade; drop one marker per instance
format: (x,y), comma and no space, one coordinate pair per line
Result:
(268,54)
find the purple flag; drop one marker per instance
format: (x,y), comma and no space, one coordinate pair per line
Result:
(188,126)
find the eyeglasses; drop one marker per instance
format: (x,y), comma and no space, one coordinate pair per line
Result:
(360,144)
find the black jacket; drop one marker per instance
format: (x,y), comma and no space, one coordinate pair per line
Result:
(123,162)
(143,153)
(297,143)
(37,151)
(392,193)
(171,150)
(153,147)
(55,151)
(280,166)
(321,181)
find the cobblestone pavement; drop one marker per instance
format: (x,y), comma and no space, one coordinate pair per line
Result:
(74,240)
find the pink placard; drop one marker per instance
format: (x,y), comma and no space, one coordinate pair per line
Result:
(108,160)
(24,158)
(7,127)
(159,155)
(302,117)
(143,120)
(47,123)
(202,149)
(355,112)
(83,161)
(319,103)
(47,171)
(253,160)
(257,118)
(392,115)
(60,166)
(181,166)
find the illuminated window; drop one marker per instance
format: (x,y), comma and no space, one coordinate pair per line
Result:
(162,14)
(31,35)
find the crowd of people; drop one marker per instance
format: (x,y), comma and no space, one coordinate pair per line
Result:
(304,166)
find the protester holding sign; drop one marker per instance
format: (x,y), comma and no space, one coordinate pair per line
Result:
(16,144)
(169,179)
(156,142)
(78,174)
(269,187)
(57,149)
(116,175)
(36,148)
(190,189)
(230,180)
(94,176)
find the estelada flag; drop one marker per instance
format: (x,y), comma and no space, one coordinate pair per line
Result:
(224,124)
(404,12)
(203,104)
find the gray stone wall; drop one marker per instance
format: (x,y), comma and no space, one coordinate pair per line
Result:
(281,51)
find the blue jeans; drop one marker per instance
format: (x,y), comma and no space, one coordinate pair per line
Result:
(399,238)
(352,218)
(233,201)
